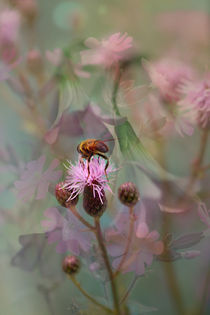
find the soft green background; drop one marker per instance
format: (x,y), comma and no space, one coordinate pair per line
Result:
(18,291)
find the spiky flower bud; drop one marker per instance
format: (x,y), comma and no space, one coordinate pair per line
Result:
(128,194)
(71,265)
(94,203)
(63,196)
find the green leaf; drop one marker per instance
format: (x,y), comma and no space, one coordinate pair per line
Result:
(133,149)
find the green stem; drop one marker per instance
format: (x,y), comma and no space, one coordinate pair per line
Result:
(201,307)
(128,291)
(198,161)
(169,270)
(100,240)
(80,218)
(115,90)
(174,288)
(76,283)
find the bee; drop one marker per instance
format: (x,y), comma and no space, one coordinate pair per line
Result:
(91,147)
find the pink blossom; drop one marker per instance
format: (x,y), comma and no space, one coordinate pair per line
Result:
(77,177)
(168,75)
(190,254)
(197,102)
(144,244)
(9,26)
(35,181)
(175,121)
(107,51)
(68,232)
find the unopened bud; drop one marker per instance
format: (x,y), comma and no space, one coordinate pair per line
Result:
(128,194)
(63,195)
(92,203)
(71,265)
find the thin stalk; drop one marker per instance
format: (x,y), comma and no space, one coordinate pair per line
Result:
(201,307)
(128,291)
(80,218)
(198,161)
(170,272)
(100,240)
(129,239)
(174,288)
(115,90)
(77,284)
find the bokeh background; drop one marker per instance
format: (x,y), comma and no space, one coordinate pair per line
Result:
(159,27)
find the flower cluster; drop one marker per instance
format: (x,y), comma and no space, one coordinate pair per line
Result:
(144,244)
(68,232)
(169,75)
(33,181)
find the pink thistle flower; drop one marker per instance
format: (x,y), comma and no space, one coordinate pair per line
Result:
(168,75)
(77,178)
(9,26)
(197,102)
(106,52)
(33,181)
(144,245)
(68,232)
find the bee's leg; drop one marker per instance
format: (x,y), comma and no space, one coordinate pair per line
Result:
(107,163)
(88,168)
(81,161)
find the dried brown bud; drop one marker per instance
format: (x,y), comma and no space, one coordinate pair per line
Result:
(128,194)
(92,204)
(62,195)
(71,265)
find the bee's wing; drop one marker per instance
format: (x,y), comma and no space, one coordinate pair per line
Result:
(101,146)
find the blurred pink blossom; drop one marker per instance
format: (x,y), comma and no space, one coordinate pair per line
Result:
(35,181)
(68,232)
(168,75)
(176,120)
(106,52)
(197,102)
(9,26)
(78,177)
(144,244)
(190,254)
(54,56)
